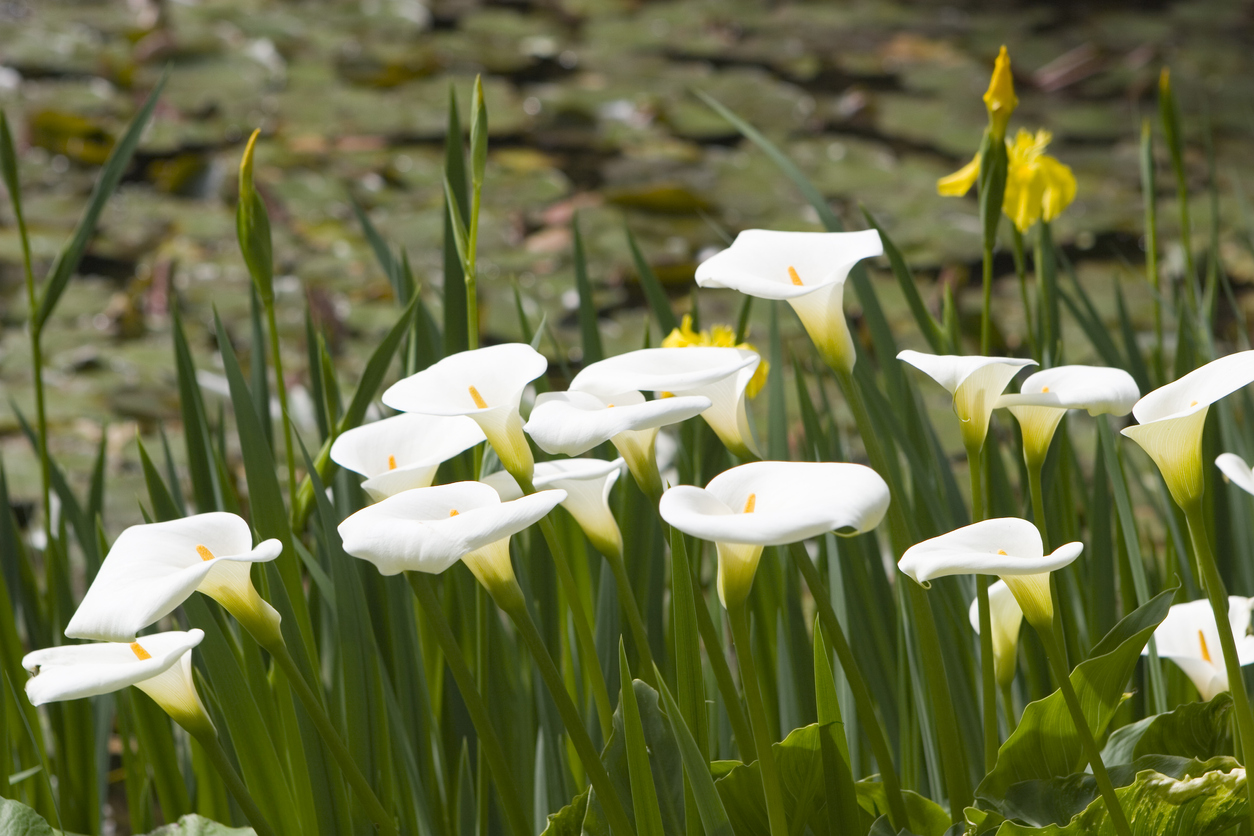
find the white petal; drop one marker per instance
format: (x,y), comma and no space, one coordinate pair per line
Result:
(758,261)
(417,530)
(1237,471)
(1189,637)
(1096,389)
(572,423)
(1198,389)
(153,568)
(792,501)
(71,672)
(506,486)
(403,451)
(676,370)
(1006,546)
(1006,618)
(950,370)
(587,483)
(497,373)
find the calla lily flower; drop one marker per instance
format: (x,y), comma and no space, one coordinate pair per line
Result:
(430,529)
(1237,471)
(1170,421)
(806,269)
(771,504)
(975,382)
(686,336)
(485,384)
(153,568)
(1008,547)
(719,374)
(587,483)
(1007,617)
(572,423)
(1189,636)
(1047,395)
(160,665)
(404,451)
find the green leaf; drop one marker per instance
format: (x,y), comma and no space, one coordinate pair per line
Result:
(455,336)
(839,791)
(1045,744)
(1201,730)
(16,819)
(110,175)
(588,328)
(1159,794)
(568,821)
(478,134)
(922,316)
(643,793)
(926,817)
(653,290)
(709,805)
(194,825)
(252,226)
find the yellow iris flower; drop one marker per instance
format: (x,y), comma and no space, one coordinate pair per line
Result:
(719,336)
(1038,186)
(1000,98)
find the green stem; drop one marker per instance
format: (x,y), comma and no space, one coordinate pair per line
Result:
(281,385)
(489,743)
(515,607)
(1038,500)
(1151,243)
(1218,596)
(583,626)
(1021,271)
(234,784)
(1008,705)
(631,611)
(738,615)
(482,667)
(986,321)
(988,676)
(313,707)
(1057,661)
(862,698)
(470,268)
(37,364)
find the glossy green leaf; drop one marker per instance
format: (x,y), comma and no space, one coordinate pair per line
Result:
(16,819)
(1201,730)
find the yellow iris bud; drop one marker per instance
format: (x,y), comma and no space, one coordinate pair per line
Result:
(1000,97)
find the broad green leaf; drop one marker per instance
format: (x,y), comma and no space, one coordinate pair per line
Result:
(926,817)
(1045,744)
(568,821)
(1160,795)
(16,819)
(1199,730)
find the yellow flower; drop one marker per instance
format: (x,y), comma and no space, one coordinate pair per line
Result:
(1000,97)
(1038,187)
(719,336)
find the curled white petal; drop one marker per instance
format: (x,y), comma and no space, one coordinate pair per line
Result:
(1198,389)
(1006,618)
(975,382)
(951,370)
(1096,389)
(418,530)
(759,261)
(1006,547)
(1189,637)
(791,501)
(154,568)
(498,374)
(1237,471)
(403,451)
(572,423)
(677,370)
(74,671)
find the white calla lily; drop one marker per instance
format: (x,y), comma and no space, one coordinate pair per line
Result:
(1007,618)
(806,269)
(587,483)
(153,568)
(1046,396)
(770,504)
(1170,421)
(975,382)
(404,451)
(718,374)
(485,384)
(160,665)
(1237,471)
(1008,547)
(1189,636)
(430,529)
(572,423)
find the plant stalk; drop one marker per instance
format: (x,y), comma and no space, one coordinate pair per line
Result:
(1038,500)
(489,743)
(631,611)
(1021,271)
(313,707)
(986,320)
(234,783)
(516,608)
(1218,596)
(1057,661)
(988,675)
(738,615)
(276,357)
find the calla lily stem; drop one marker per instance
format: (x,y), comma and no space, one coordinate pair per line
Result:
(234,784)
(1057,660)
(1038,499)
(631,610)
(313,706)
(515,607)
(988,675)
(1218,595)
(738,615)
(281,387)
(489,743)
(583,628)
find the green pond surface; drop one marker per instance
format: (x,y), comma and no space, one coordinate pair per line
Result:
(592,113)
